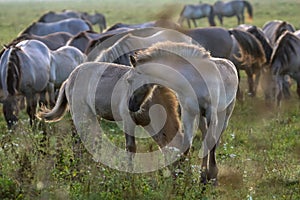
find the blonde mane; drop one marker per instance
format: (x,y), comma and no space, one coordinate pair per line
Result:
(167,48)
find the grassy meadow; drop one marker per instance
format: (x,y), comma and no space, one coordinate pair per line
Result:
(258,157)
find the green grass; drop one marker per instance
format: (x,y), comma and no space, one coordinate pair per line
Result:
(258,157)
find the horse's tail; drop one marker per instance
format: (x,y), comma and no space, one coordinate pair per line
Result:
(249,9)
(59,109)
(211,17)
(251,49)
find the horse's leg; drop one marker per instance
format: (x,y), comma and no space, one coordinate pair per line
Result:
(203,127)
(31,107)
(130,145)
(188,126)
(43,99)
(239,93)
(51,92)
(220,19)
(188,22)
(210,141)
(298,88)
(240,19)
(222,123)
(194,21)
(249,73)
(256,81)
(100,27)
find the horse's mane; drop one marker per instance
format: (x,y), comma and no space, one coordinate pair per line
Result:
(164,96)
(95,43)
(282,27)
(169,96)
(13,72)
(163,49)
(263,40)
(26,30)
(116,26)
(83,34)
(285,50)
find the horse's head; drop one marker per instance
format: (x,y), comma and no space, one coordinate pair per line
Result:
(140,96)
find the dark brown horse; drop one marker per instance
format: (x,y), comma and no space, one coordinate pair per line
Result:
(253,71)
(285,61)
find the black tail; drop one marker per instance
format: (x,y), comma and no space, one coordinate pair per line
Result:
(249,9)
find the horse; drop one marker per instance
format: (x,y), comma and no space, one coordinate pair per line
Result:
(58,16)
(25,71)
(132,26)
(234,43)
(194,12)
(72,26)
(232,8)
(297,32)
(86,40)
(53,41)
(119,52)
(205,86)
(253,71)
(97,46)
(285,61)
(63,61)
(211,38)
(96,18)
(274,29)
(104,94)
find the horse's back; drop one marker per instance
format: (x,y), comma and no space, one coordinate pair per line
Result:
(32,47)
(217,40)
(229,77)
(35,65)
(71,25)
(64,61)
(95,83)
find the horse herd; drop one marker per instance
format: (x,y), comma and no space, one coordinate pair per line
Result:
(219,8)
(60,62)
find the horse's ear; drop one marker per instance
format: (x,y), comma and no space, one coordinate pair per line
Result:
(132,60)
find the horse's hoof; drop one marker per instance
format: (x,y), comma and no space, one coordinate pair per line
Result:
(203,176)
